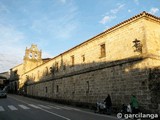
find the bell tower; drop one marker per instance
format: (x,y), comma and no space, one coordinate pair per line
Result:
(32,58)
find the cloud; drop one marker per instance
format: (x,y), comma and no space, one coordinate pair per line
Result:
(129,10)
(62,26)
(107,19)
(9,35)
(136,2)
(154,10)
(120,6)
(11,50)
(10,42)
(112,14)
(59,28)
(8,61)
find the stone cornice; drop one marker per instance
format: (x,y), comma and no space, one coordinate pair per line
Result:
(17,66)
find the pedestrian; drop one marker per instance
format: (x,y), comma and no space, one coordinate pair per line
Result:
(134,105)
(108,104)
(124,109)
(129,109)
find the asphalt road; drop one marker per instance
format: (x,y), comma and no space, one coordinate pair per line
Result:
(23,108)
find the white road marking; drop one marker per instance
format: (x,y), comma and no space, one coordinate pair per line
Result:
(1,108)
(11,107)
(53,107)
(24,107)
(63,107)
(46,107)
(106,116)
(34,106)
(42,109)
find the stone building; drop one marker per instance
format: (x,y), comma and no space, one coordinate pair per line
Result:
(120,61)
(32,59)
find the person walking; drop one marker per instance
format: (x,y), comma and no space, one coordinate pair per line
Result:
(108,104)
(134,105)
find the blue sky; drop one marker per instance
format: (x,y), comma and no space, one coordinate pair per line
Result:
(58,25)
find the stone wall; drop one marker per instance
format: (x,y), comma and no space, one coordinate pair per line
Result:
(15,76)
(120,79)
(154,87)
(152,36)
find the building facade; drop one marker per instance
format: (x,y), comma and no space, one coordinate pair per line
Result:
(31,60)
(121,61)
(4,79)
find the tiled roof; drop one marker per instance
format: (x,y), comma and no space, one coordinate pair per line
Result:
(132,18)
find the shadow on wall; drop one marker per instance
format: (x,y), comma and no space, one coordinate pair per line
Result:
(13,81)
(85,84)
(3,82)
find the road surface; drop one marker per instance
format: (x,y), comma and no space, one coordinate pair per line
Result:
(16,107)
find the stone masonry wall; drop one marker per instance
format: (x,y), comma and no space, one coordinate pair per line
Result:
(154,87)
(152,36)
(120,79)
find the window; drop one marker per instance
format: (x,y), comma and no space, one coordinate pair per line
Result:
(46,89)
(15,72)
(87,91)
(103,51)
(83,58)
(56,66)
(27,77)
(46,71)
(57,88)
(36,56)
(73,88)
(64,66)
(38,74)
(30,55)
(52,69)
(72,60)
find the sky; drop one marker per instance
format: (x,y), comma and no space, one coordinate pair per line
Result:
(58,25)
